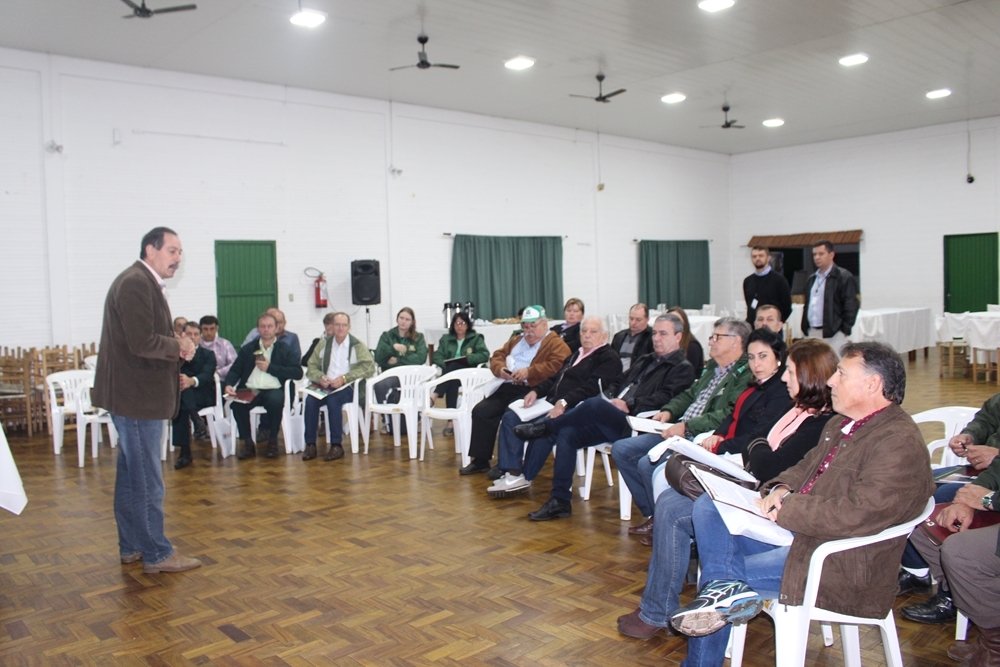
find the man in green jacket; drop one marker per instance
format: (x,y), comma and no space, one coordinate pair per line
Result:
(337,361)
(262,365)
(700,408)
(979,441)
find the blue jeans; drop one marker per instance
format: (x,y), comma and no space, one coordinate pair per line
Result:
(510,448)
(334,406)
(628,455)
(672,535)
(139,489)
(729,557)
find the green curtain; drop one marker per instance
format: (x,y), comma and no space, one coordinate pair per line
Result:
(501,274)
(675,273)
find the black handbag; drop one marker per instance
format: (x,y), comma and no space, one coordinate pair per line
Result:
(682,480)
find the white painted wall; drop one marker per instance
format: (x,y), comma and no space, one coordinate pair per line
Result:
(906,190)
(224,159)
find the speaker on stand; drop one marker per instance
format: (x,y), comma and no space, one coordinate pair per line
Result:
(366,289)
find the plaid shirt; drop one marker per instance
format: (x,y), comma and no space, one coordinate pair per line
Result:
(701,400)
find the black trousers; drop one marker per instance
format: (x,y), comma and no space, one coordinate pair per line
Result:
(182,430)
(486,418)
(272,400)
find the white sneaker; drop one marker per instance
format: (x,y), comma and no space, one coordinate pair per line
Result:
(508,485)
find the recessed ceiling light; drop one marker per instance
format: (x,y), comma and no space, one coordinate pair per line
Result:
(674,98)
(936,94)
(716,5)
(520,62)
(774,122)
(854,59)
(308,18)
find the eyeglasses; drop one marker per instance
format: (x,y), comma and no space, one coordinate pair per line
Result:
(714,338)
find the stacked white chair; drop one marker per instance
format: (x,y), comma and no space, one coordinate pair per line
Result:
(473,381)
(410,402)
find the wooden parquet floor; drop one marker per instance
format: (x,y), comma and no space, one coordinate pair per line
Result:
(372,560)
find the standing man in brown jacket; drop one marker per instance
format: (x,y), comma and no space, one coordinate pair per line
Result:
(869,471)
(138,382)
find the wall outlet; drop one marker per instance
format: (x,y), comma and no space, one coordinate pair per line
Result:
(291,297)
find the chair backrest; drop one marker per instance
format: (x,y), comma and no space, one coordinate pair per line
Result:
(954,418)
(471,379)
(410,380)
(833,546)
(90,362)
(74,387)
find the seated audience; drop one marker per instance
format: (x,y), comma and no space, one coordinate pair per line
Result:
(593,366)
(225,353)
(461,347)
(263,365)
(637,340)
(287,337)
(179,323)
(522,363)
(786,440)
(692,348)
(338,360)
(197,381)
(400,346)
(967,566)
(869,471)
(569,331)
(662,374)
(770,317)
(699,409)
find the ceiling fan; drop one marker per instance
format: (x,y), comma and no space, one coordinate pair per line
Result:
(728,123)
(601,97)
(423,63)
(144,13)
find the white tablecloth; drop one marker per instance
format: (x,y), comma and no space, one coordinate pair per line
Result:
(495,335)
(905,329)
(980,329)
(12,496)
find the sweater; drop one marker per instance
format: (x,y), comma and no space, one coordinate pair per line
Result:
(473,349)
(771,289)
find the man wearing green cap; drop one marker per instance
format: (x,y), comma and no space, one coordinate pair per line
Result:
(523,362)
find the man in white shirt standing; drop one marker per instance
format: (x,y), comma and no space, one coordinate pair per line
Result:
(338,359)
(832,304)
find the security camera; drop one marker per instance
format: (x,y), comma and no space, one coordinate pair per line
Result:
(970,179)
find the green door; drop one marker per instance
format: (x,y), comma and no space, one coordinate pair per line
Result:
(246,284)
(970,272)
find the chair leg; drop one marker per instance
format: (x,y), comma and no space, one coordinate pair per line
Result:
(607,467)
(165,439)
(395,430)
(827,630)
(95,437)
(411,432)
(366,428)
(961,627)
(581,469)
(352,425)
(737,640)
(791,633)
(81,439)
(112,434)
(58,430)
(890,642)
(588,477)
(624,500)
(851,644)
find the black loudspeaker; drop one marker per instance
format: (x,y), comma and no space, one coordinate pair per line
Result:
(366,285)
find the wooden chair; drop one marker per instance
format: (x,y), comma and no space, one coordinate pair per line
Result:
(16,391)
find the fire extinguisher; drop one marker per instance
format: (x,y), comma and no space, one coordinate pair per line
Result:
(321,295)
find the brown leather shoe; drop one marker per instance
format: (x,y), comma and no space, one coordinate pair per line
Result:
(631,625)
(989,644)
(174,563)
(963,651)
(131,558)
(336,452)
(646,541)
(310,453)
(272,450)
(644,528)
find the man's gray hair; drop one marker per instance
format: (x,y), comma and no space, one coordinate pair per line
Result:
(882,360)
(736,327)
(599,320)
(676,322)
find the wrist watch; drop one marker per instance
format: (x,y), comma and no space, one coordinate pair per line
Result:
(562,402)
(988,500)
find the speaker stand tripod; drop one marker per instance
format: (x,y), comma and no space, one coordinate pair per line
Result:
(368,327)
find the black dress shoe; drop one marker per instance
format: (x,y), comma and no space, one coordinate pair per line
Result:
(532,431)
(495,473)
(552,509)
(272,450)
(247,452)
(200,435)
(310,452)
(936,609)
(182,462)
(336,452)
(474,467)
(911,583)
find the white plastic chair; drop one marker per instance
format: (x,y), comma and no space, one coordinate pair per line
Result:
(354,415)
(954,418)
(90,362)
(791,623)
(74,388)
(471,393)
(293,422)
(213,413)
(410,402)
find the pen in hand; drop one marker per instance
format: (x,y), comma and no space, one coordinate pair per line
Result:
(780,500)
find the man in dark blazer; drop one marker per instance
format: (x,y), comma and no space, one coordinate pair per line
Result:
(832,301)
(262,365)
(137,382)
(637,340)
(197,392)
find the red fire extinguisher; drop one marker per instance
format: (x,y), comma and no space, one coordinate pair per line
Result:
(321,295)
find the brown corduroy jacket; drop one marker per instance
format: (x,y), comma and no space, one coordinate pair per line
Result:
(138,363)
(547,362)
(881,477)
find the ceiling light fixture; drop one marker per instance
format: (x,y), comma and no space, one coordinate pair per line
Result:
(854,59)
(519,63)
(308,18)
(673,98)
(774,122)
(937,94)
(716,5)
